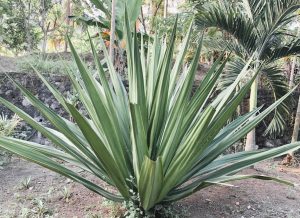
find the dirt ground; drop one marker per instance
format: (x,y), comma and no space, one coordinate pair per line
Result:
(45,196)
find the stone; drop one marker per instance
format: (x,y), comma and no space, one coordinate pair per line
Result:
(26,102)
(8,92)
(54,105)
(269,144)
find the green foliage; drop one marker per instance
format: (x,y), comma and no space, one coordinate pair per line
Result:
(259,28)
(40,208)
(66,193)
(157,143)
(25,183)
(100,14)
(7,127)
(45,65)
(17,30)
(23,23)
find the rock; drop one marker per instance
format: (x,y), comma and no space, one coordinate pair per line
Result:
(8,93)
(290,197)
(272,143)
(269,144)
(25,102)
(54,105)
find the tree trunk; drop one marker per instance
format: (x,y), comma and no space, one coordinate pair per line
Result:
(251,140)
(43,27)
(112,30)
(68,13)
(166,9)
(296,124)
(27,28)
(289,159)
(291,82)
(44,45)
(155,10)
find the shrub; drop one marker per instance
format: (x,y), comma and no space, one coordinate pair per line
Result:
(7,127)
(157,143)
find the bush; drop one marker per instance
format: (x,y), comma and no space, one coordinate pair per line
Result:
(7,127)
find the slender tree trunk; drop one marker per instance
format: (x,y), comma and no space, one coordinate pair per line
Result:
(297,118)
(44,45)
(291,82)
(68,13)
(290,157)
(251,140)
(212,59)
(297,123)
(28,35)
(44,28)
(166,9)
(143,20)
(112,30)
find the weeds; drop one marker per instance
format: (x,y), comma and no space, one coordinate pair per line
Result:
(40,208)
(66,193)
(7,127)
(25,183)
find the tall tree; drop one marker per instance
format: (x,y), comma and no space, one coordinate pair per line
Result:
(257,28)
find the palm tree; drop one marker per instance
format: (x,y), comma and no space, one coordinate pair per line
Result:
(258,29)
(290,157)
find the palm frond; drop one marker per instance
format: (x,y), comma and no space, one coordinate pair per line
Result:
(228,18)
(277,82)
(232,70)
(288,50)
(277,14)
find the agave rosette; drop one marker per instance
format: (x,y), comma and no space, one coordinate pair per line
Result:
(160,141)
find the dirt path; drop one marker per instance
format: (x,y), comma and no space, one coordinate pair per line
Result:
(251,198)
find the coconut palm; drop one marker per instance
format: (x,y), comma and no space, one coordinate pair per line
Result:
(256,27)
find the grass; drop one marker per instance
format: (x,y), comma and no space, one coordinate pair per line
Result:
(44,65)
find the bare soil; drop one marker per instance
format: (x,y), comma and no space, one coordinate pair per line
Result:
(248,198)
